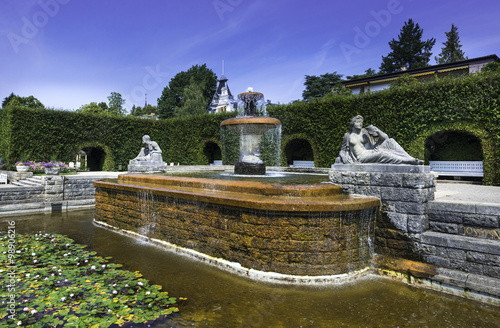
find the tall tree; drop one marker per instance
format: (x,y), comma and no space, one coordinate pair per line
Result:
(451,51)
(319,86)
(116,104)
(193,102)
(409,51)
(172,95)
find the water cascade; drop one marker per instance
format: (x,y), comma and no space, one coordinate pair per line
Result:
(300,233)
(306,233)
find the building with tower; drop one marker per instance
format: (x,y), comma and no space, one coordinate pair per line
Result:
(223,100)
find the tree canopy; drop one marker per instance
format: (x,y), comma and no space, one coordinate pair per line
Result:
(319,86)
(172,97)
(451,51)
(116,104)
(409,51)
(193,101)
(115,107)
(29,102)
(146,110)
(369,72)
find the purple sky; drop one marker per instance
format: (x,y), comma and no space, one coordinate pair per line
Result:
(68,53)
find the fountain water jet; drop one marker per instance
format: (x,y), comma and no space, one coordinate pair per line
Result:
(250,127)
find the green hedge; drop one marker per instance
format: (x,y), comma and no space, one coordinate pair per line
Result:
(41,135)
(409,114)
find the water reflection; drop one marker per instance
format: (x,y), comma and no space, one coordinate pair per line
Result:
(219,299)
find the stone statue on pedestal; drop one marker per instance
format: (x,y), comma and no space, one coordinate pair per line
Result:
(149,158)
(371,145)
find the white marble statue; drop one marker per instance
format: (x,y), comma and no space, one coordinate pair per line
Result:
(371,145)
(151,152)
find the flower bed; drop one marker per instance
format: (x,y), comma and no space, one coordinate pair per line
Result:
(55,282)
(39,167)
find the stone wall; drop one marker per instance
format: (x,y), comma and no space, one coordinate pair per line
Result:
(441,245)
(286,242)
(55,192)
(405,193)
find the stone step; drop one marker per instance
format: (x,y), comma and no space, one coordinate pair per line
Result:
(30,182)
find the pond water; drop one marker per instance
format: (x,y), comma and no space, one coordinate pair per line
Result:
(219,299)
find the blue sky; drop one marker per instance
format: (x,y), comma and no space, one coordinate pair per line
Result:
(68,53)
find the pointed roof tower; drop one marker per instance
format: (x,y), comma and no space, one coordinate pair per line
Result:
(223,100)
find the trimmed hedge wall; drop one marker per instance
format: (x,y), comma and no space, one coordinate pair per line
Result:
(40,135)
(409,114)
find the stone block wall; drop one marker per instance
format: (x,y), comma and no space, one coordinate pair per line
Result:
(405,197)
(297,243)
(21,195)
(79,188)
(465,238)
(448,244)
(55,192)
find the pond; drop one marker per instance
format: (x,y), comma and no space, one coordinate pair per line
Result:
(220,299)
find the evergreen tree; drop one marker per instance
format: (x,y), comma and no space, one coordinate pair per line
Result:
(193,101)
(451,51)
(172,95)
(319,86)
(409,51)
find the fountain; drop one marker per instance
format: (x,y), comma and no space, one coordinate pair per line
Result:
(250,127)
(295,233)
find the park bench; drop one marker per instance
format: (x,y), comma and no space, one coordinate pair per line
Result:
(457,168)
(303,164)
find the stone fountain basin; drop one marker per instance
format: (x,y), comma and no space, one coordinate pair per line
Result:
(288,230)
(323,197)
(250,124)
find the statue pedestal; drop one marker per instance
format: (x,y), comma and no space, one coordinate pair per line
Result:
(404,190)
(146,166)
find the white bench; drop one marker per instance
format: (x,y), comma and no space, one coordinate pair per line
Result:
(3,178)
(303,164)
(457,168)
(217,162)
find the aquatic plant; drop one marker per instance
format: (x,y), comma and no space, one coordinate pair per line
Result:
(56,282)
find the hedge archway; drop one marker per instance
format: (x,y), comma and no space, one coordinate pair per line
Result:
(418,149)
(290,145)
(108,163)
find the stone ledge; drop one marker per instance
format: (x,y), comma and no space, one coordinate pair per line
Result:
(461,242)
(464,207)
(386,168)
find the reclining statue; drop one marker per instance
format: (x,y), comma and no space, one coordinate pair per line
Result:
(371,145)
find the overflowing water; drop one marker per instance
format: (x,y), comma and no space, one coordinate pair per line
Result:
(220,299)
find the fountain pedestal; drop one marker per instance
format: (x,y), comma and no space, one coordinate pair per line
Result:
(250,130)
